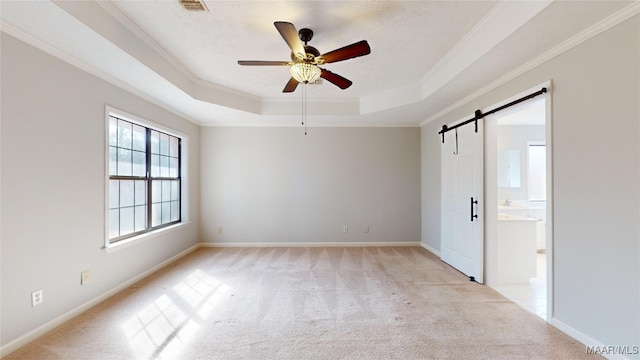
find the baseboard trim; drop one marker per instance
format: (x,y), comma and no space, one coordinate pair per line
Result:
(585,339)
(430,249)
(310,244)
(50,325)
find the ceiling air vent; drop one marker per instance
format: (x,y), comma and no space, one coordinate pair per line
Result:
(193,5)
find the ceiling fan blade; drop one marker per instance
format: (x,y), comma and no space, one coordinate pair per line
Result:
(290,36)
(360,48)
(291,86)
(335,79)
(263,63)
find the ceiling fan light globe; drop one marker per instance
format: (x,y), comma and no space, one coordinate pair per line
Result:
(305,72)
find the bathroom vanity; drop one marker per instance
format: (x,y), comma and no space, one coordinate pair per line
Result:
(517,248)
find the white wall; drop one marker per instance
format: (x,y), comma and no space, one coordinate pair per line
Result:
(276,185)
(516,137)
(53,189)
(596,169)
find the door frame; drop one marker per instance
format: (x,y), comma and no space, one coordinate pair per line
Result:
(491,185)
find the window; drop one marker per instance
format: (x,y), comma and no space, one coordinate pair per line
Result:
(144,179)
(537,172)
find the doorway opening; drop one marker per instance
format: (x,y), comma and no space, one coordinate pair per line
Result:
(517,207)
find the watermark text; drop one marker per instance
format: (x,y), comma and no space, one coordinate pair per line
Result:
(613,349)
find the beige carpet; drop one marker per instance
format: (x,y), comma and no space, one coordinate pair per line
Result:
(306,303)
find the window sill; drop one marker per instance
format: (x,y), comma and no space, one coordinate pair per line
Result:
(143,237)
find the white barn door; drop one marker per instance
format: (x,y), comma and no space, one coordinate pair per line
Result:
(462,201)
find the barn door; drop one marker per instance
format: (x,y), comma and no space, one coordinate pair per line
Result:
(462,230)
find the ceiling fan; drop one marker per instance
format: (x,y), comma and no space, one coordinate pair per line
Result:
(305,59)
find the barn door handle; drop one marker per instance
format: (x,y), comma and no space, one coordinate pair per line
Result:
(473,216)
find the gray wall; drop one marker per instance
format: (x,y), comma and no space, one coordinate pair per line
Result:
(276,185)
(430,142)
(272,185)
(53,189)
(596,172)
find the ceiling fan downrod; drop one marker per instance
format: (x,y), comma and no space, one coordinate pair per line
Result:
(305,35)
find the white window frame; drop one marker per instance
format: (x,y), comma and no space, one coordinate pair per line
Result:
(530,197)
(184,218)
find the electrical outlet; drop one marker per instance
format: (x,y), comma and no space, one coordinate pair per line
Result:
(345,229)
(366,229)
(219,229)
(36,297)
(84,277)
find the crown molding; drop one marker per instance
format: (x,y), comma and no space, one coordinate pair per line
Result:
(90,69)
(596,29)
(115,13)
(503,20)
(212,102)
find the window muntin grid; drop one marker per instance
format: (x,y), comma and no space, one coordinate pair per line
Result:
(144,164)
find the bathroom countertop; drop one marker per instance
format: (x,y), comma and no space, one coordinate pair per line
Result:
(508,217)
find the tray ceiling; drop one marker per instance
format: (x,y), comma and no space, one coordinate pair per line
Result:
(425,55)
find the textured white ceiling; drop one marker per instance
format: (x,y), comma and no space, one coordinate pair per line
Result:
(425,55)
(406,39)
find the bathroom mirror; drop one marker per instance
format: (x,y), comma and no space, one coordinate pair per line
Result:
(509,168)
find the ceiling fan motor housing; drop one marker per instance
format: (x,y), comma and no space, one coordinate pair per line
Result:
(311,54)
(305,36)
